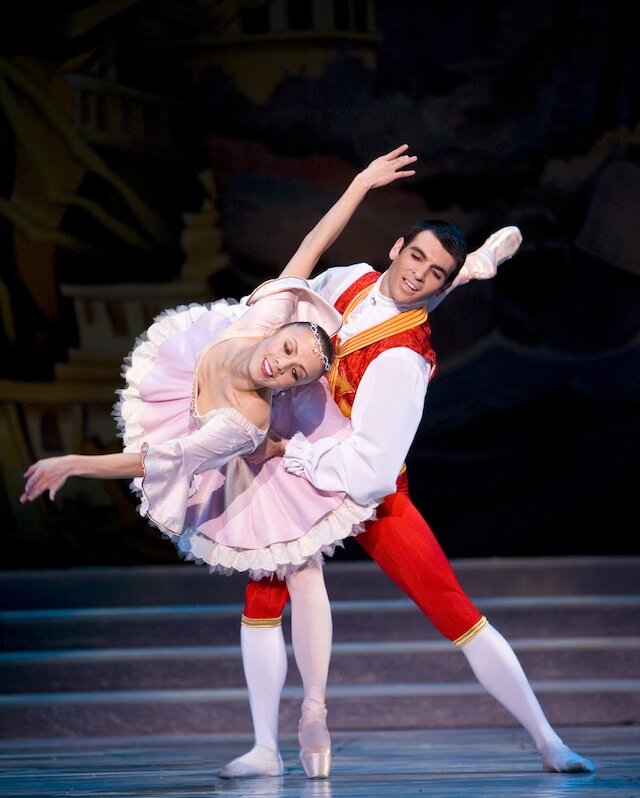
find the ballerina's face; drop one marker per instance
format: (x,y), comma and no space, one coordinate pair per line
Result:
(290,356)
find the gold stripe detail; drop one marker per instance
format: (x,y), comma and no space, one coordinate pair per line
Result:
(477,627)
(261,622)
(406,320)
(396,324)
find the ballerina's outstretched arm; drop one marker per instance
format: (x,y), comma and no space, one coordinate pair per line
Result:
(380,172)
(50,473)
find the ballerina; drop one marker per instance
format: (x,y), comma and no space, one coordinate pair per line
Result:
(198,396)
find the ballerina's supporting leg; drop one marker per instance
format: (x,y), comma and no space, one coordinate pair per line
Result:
(311,635)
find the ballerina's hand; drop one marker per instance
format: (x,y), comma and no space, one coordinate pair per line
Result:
(389,167)
(49,474)
(272,446)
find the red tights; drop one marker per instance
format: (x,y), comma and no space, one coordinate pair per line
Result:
(401,542)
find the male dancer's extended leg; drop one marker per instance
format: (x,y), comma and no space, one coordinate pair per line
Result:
(404,546)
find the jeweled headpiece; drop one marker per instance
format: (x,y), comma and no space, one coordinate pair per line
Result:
(318,348)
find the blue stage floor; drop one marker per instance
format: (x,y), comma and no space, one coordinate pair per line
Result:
(470,763)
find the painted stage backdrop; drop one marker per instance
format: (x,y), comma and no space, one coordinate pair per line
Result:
(156,154)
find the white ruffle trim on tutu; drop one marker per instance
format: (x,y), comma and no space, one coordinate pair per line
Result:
(279,559)
(141,359)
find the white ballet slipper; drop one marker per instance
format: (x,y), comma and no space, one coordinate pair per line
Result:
(260,761)
(563,760)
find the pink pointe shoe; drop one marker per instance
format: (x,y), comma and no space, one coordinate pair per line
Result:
(314,739)
(482,264)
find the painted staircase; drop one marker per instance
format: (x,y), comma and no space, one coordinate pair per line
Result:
(155,649)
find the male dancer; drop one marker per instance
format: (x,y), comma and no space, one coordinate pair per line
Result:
(384,343)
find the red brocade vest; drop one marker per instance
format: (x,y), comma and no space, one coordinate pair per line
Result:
(409,329)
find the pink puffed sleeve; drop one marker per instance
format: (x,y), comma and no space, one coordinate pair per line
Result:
(170,468)
(283,300)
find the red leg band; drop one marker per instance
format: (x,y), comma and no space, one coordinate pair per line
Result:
(265,599)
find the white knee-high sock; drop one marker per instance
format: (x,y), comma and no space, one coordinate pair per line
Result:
(311,628)
(498,670)
(264,659)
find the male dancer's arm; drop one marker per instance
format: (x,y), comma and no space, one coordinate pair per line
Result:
(384,421)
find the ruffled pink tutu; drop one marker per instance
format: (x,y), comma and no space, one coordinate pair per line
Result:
(240,517)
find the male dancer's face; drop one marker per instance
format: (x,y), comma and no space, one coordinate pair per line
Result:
(418,271)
